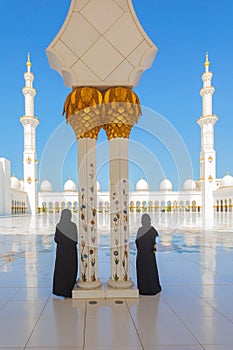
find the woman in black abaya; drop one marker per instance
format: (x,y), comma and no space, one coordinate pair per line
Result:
(147,272)
(66,264)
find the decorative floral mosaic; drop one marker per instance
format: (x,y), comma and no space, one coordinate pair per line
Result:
(120,232)
(88,215)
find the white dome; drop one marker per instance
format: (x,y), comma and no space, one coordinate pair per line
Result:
(98,186)
(142,186)
(21,185)
(70,186)
(189,185)
(15,183)
(46,186)
(165,185)
(226,181)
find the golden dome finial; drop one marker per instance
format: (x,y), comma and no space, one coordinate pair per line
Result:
(207,62)
(29,64)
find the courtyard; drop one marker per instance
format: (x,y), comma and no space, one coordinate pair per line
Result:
(194,310)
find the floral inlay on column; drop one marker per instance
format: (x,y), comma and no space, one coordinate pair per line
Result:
(83,252)
(89,233)
(125,228)
(120,231)
(116,226)
(92,222)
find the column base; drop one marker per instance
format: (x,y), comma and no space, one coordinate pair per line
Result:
(88,285)
(121,291)
(105,292)
(120,284)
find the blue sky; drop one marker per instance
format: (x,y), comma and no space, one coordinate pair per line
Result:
(182,30)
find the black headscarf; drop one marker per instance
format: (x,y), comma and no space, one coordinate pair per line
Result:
(66,226)
(146,225)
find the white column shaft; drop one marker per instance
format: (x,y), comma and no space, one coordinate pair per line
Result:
(119,213)
(88,240)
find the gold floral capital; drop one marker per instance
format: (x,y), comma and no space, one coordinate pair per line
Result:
(83,107)
(115,110)
(121,111)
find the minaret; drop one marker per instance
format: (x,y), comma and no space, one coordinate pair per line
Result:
(208,154)
(30,122)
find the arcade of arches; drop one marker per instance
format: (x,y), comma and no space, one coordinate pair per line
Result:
(134,206)
(221,205)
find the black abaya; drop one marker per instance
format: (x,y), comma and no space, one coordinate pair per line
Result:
(147,272)
(66,264)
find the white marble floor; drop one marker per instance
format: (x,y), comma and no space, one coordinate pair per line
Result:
(194,310)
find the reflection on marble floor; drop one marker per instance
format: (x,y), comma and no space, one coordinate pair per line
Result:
(194,310)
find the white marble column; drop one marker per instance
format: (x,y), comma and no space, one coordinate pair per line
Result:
(120,275)
(88,240)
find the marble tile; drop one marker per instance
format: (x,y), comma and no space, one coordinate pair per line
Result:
(32,294)
(219,297)
(211,330)
(46,282)
(180,301)
(22,310)
(53,348)
(148,306)
(1,348)
(218,347)
(174,347)
(107,309)
(7,293)
(108,332)
(58,332)
(163,329)
(3,302)
(93,347)
(15,333)
(63,309)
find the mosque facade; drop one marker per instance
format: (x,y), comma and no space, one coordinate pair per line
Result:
(21,196)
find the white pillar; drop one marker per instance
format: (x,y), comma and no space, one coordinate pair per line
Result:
(5,186)
(88,239)
(120,275)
